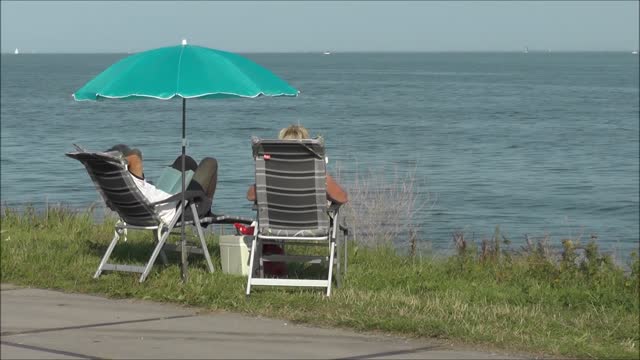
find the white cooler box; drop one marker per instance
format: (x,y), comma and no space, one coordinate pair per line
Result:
(234,254)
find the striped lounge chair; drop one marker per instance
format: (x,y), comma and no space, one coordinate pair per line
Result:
(292,208)
(109,173)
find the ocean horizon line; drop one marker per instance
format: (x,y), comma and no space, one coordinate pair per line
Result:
(333,52)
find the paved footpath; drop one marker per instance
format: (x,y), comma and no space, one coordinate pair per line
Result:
(44,324)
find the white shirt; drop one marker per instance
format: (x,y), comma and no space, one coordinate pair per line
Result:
(166,211)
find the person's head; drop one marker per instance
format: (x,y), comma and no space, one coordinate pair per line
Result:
(133,156)
(293,132)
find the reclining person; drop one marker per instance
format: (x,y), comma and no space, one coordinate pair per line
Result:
(204,179)
(335,193)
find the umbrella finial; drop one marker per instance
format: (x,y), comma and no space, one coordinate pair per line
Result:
(184,42)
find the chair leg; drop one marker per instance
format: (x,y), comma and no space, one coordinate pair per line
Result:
(332,251)
(203,243)
(107,254)
(259,249)
(346,253)
(338,258)
(251,263)
(335,252)
(163,255)
(154,255)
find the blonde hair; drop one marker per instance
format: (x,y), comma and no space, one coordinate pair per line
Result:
(293,132)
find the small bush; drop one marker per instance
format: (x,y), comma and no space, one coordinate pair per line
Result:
(382,210)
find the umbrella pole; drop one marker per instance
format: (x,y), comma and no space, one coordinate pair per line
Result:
(183,244)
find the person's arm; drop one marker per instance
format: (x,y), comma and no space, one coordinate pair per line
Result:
(335,192)
(251,193)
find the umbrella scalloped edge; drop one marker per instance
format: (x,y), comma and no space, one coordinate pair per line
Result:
(216,94)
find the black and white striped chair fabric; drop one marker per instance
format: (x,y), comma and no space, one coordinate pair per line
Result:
(291,199)
(109,173)
(291,187)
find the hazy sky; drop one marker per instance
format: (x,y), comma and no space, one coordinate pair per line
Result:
(247,26)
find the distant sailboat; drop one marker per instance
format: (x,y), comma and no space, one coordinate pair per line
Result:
(327,53)
(526,50)
(16,51)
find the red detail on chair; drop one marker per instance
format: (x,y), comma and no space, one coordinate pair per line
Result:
(244,230)
(266,156)
(271,268)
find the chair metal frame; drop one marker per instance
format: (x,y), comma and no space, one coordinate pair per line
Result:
(330,238)
(151,219)
(161,234)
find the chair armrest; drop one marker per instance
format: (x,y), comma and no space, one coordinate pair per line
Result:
(228,219)
(344,229)
(334,207)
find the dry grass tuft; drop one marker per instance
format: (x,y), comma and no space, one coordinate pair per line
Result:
(383,208)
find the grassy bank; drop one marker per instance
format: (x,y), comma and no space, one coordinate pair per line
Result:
(578,306)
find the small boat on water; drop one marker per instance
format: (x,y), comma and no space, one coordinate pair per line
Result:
(16,51)
(327,53)
(634,52)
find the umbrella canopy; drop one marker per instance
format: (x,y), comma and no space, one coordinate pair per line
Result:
(186,71)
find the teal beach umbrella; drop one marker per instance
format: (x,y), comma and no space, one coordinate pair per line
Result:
(184,71)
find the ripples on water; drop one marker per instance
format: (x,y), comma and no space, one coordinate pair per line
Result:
(535,143)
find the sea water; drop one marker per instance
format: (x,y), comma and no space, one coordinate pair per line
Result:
(539,143)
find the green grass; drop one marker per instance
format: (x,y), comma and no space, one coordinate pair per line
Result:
(526,302)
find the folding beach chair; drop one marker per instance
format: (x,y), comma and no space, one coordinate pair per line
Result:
(292,209)
(110,174)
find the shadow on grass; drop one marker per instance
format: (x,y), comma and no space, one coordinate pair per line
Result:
(139,251)
(307,271)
